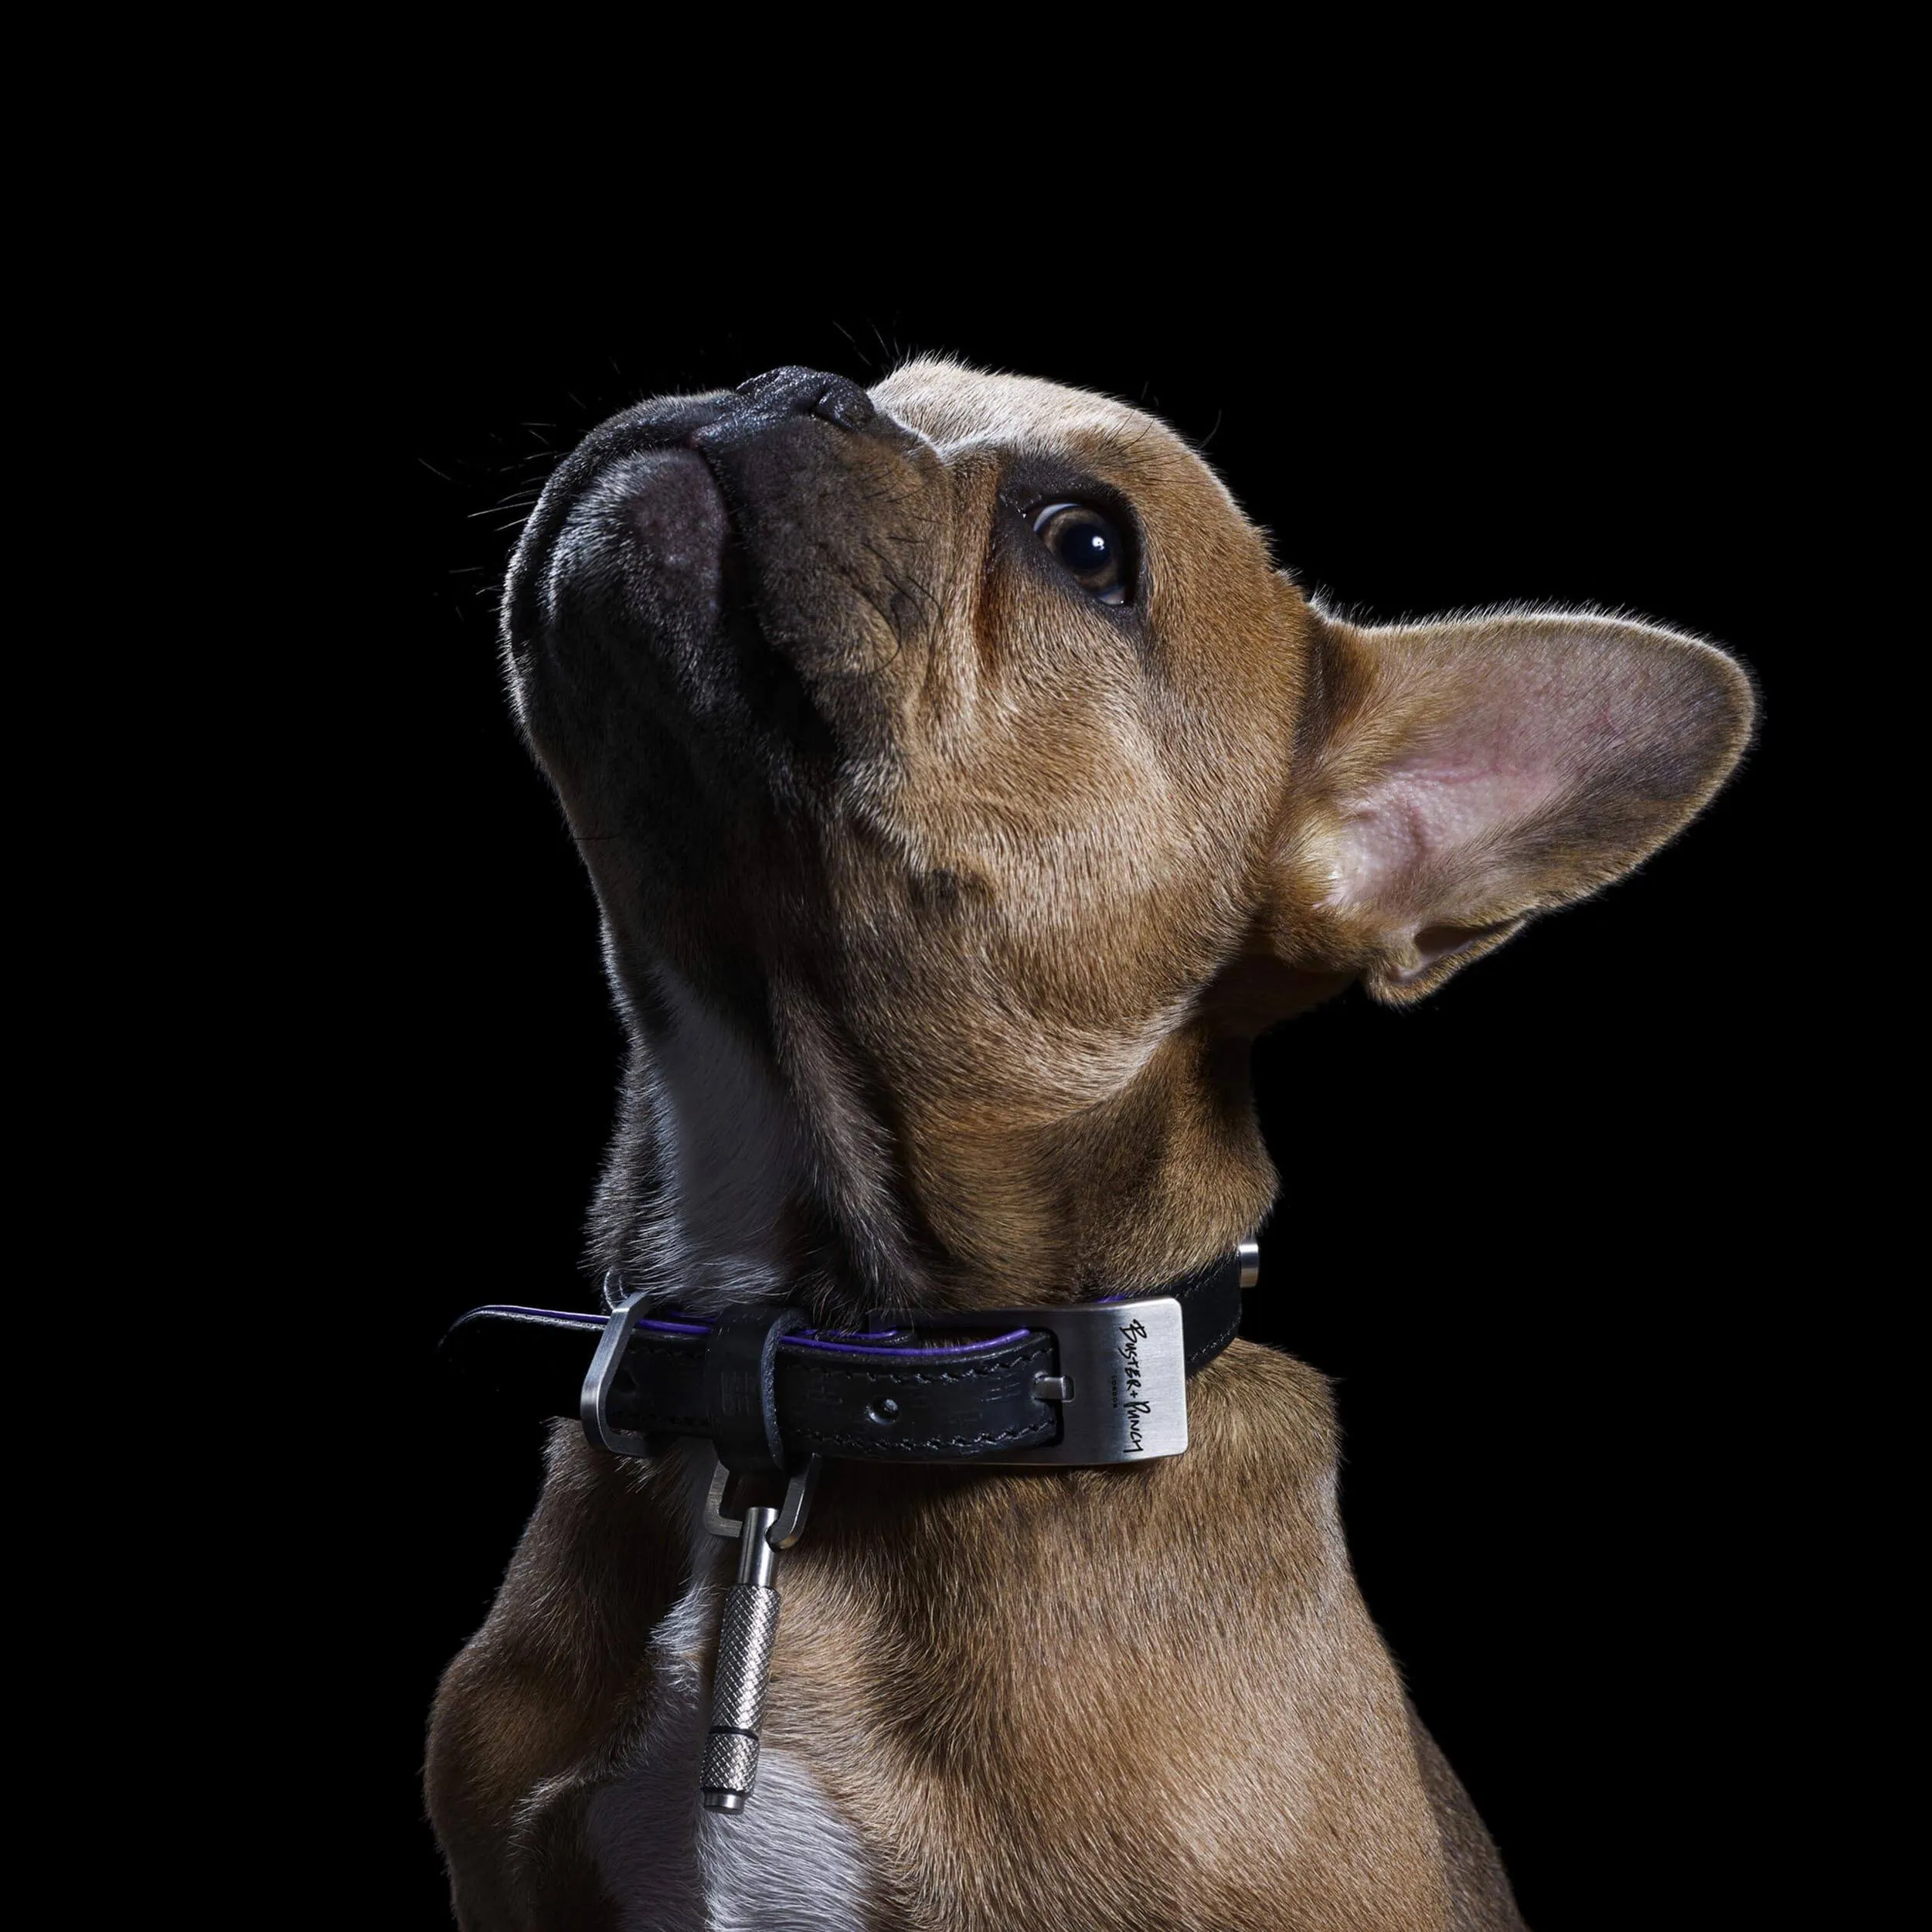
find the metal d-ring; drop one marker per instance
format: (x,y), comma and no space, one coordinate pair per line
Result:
(793,1512)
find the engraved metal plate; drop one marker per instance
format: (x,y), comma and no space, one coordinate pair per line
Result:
(1127,1371)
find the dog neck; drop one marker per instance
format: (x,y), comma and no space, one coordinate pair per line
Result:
(755,1169)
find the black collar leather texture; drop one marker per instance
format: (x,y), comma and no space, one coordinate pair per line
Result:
(769,1392)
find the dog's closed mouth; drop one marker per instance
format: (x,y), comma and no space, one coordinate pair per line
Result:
(673,517)
(656,562)
(654,431)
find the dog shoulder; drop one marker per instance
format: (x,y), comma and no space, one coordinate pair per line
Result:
(531,1714)
(1201,1686)
(1269,1423)
(1480,1899)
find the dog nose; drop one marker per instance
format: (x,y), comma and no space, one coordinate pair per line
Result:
(810,392)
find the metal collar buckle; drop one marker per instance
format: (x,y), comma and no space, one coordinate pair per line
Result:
(1120,1380)
(606,1365)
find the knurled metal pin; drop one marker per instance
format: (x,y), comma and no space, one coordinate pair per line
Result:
(744,1637)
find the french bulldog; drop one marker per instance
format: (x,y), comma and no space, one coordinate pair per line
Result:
(964,789)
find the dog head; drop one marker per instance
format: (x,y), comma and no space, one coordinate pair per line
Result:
(958,752)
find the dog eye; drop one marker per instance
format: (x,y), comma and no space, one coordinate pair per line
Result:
(1087,547)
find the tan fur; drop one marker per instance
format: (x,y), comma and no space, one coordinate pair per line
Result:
(1069,876)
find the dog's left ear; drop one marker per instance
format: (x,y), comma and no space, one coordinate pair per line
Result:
(1454,779)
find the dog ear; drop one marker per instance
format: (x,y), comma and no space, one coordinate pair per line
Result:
(1457,778)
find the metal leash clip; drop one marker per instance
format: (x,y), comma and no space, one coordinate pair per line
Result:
(746,1633)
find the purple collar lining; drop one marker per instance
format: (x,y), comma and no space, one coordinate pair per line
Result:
(805,1339)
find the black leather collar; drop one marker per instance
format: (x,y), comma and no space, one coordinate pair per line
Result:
(1091,1382)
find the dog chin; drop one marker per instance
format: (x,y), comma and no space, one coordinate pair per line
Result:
(645,657)
(629,528)
(644,552)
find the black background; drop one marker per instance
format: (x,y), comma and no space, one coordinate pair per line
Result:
(1526,1227)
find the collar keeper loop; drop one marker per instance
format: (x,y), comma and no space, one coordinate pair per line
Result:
(741,1388)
